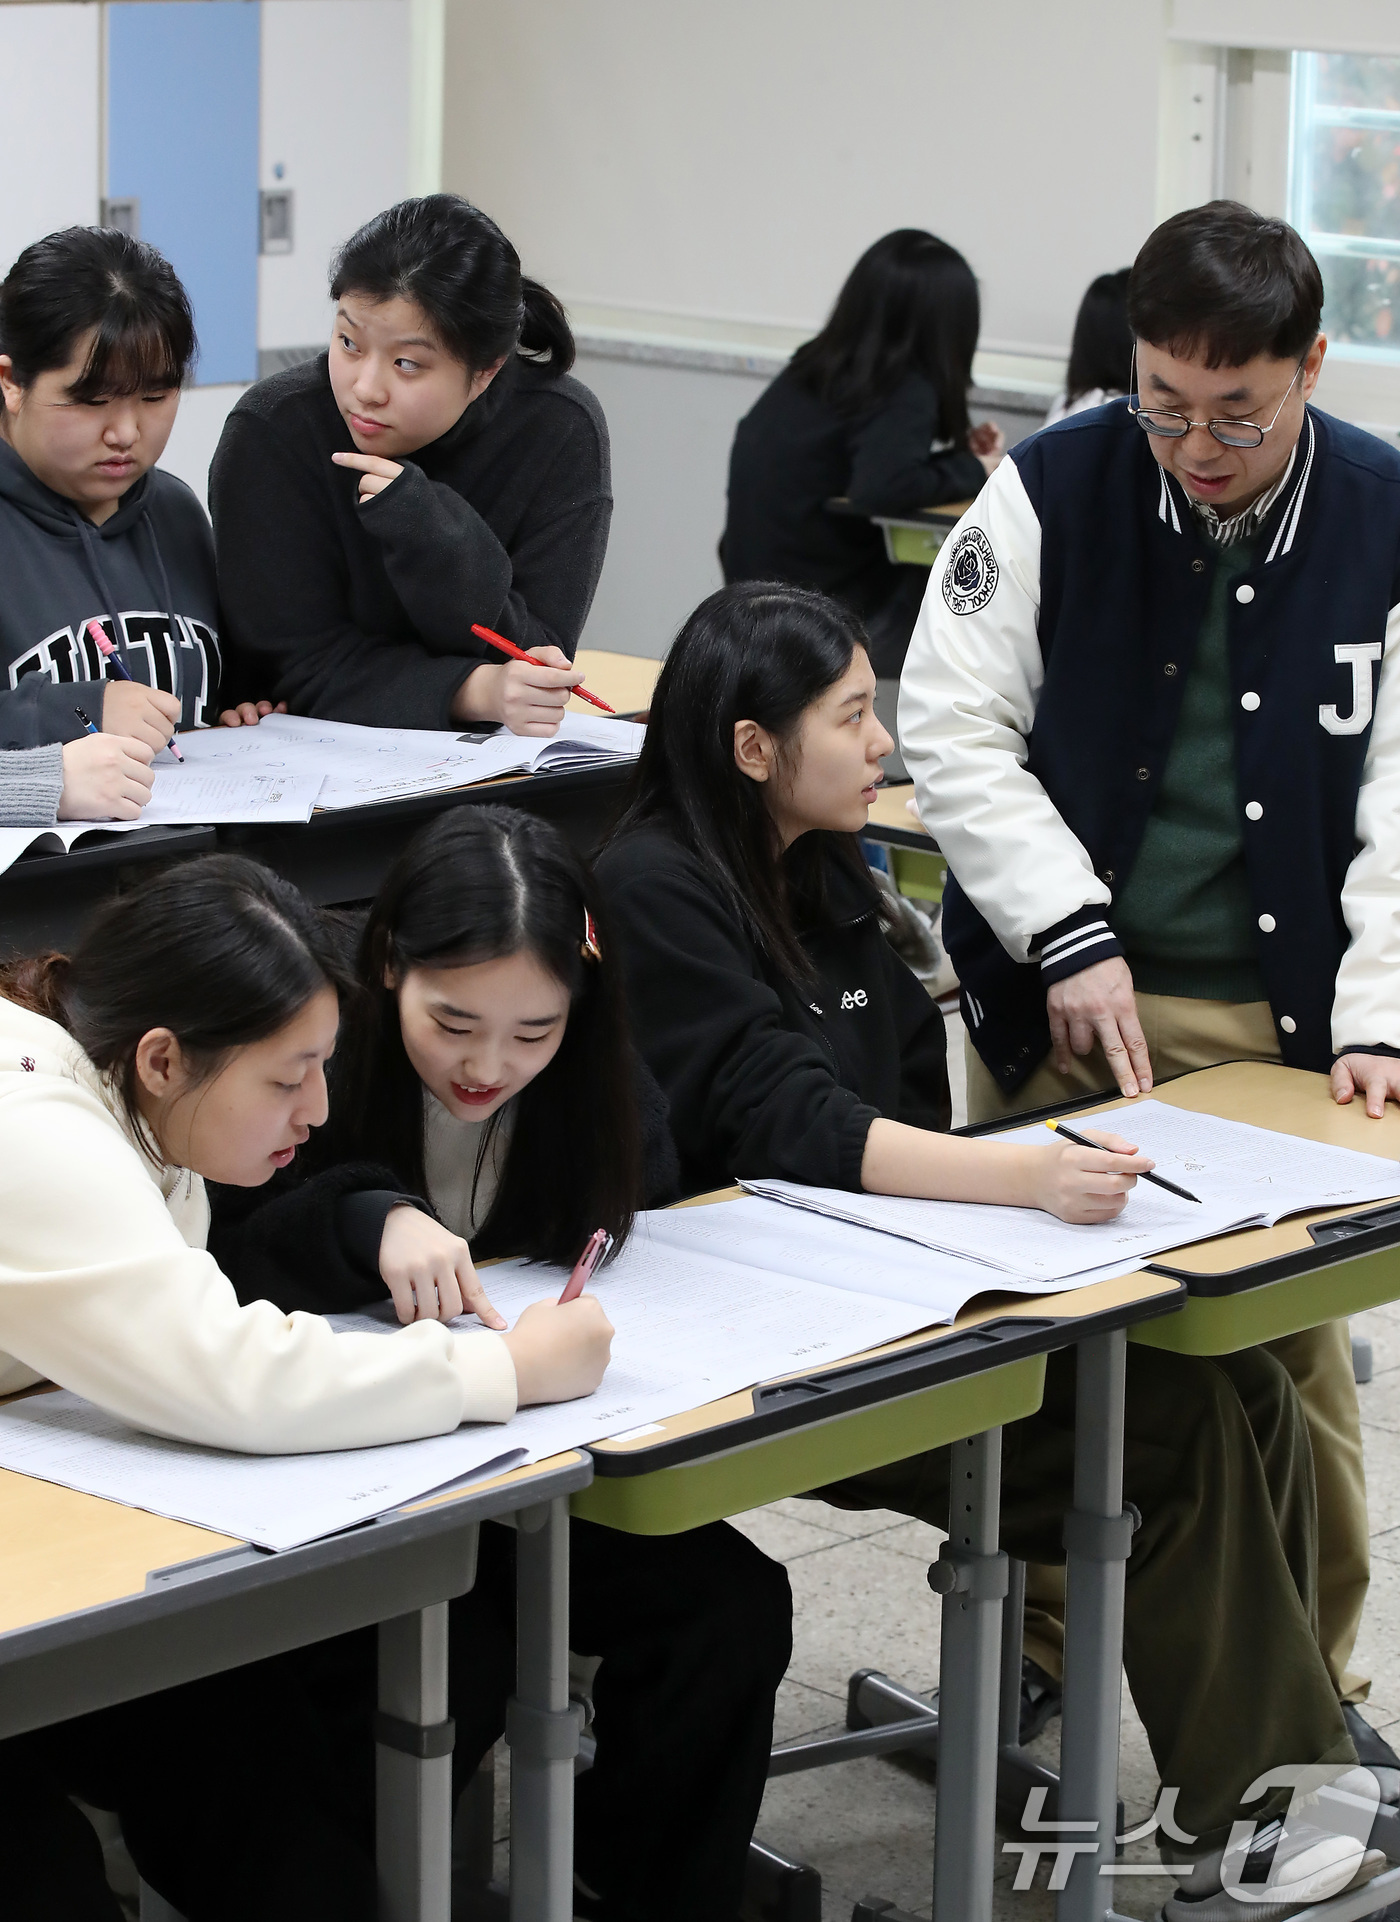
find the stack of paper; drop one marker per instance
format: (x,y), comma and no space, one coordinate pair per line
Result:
(1245,1177)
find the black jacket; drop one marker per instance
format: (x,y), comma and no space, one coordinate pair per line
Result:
(793,453)
(146,574)
(764,1080)
(310,1238)
(364,614)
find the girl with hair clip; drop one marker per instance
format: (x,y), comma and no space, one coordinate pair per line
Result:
(790,1041)
(437,468)
(130,1074)
(96,339)
(487,1091)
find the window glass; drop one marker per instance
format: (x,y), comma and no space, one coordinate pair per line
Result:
(1344,193)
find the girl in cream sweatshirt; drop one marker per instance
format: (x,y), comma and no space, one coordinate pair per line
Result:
(187,1037)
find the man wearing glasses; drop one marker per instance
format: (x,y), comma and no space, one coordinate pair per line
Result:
(1150,712)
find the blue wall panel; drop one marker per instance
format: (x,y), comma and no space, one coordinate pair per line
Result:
(182,135)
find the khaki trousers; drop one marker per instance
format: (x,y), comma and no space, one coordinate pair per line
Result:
(1217,1461)
(1182,1035)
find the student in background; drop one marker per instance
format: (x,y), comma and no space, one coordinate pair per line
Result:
(873,409)
(1101,353)
(790,1042)
(487,1072)
(98,777)
(187,1037)
(96,337)
(437,468)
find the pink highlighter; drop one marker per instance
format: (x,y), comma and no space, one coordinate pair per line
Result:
(109,653)
(597,1246)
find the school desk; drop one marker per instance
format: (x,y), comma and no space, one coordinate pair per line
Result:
(624,681)
(46,900)
(100,1603)
(956,1385)
(912,539)
(1241,1289)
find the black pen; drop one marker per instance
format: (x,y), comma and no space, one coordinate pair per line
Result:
(1158,1181)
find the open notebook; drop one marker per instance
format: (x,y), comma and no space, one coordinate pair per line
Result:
(287,767)
(1245,1177)
(704,1300)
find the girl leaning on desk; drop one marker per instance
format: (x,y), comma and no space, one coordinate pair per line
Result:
(791,1042)
(437,467)
(187,1039)
(486,1100)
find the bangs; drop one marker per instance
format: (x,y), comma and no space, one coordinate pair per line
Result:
(131,354)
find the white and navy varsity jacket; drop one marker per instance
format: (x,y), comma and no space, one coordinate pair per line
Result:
(1042,689)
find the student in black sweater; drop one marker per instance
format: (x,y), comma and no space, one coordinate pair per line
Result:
(874,410)
(485,1101)
(437,468)
(789,1042)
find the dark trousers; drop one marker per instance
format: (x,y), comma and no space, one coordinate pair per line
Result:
(230,1798)
(694,1632)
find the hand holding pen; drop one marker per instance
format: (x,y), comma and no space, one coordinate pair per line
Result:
(130,707)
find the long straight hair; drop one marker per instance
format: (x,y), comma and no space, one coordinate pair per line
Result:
(478,884)
(757,651)
(1101,353)
(909,305)
(220,950)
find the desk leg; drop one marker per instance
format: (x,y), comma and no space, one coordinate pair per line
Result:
(1098,1536)
(413,1777)
(971,1576)
(542,1729)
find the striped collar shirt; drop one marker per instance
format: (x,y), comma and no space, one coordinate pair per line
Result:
(1246,524)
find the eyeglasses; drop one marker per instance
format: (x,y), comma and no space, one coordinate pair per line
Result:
(1230,433)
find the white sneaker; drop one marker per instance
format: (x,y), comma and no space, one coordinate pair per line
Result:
(1308,1864)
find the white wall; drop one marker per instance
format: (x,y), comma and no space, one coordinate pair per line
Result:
(734,159)
(335,92)
(49,122)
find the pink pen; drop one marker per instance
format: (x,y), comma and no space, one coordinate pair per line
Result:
(109,653)
(597,1246)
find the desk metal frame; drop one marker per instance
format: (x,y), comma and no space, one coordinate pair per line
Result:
(857,1415)
(241,1604)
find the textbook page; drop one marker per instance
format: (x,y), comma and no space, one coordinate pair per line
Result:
(689,1328)
(1244,1176)
(769,1235)
(17,841)
(360,765)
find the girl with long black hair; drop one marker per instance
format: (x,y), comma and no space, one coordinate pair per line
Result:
(873,409)
(186,1039)
(439,467)
(486,1074)
(790,1041)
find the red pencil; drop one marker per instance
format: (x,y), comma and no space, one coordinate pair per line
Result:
(519,654)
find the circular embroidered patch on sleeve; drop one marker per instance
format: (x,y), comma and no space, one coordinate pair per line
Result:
(970,572)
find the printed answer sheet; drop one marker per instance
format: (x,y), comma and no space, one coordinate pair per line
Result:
(358,765)
(690,1327)
(1245,1176)
(768,1234)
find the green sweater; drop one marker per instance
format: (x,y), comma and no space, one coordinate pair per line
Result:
(1184,915)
